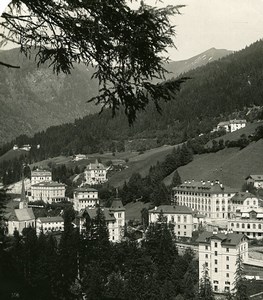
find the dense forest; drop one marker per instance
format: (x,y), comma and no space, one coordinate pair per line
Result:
(216,91)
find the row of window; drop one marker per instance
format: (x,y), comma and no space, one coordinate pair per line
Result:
(249,226)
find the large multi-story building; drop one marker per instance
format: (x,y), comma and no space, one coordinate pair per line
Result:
(48,191)
(248,222)
(84,197)
(40,175)
(180,216)
(219,253)
(114,217)
(95,173)
(211,199)
(232,125)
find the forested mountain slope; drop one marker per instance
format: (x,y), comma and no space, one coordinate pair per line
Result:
(213,93)
(33,99)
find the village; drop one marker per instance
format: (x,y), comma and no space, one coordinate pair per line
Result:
(224,220)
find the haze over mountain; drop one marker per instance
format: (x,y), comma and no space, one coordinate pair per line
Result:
(33,99)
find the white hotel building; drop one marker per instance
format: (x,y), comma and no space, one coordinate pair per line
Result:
(40,175)
(85,198)
(180,216)
(48,191)
(211,199)
(219,252)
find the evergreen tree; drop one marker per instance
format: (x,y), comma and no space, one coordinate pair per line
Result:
(205,286)
(240,288)
(176,179)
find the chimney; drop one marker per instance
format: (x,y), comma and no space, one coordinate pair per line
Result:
(221,185)
(212,183)
(155,208)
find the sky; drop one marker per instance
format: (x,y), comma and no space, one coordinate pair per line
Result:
(204,24)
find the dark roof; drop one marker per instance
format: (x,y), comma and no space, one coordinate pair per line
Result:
(117,205)
(242,196)
(85,189)
(204,186)
(51,219)
(92,212)
(180,209)
(49,184)
(255,177)
(229,239)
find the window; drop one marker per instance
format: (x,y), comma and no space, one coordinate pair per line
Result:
(178,226)
(215,261)
(206,264)
(215,253)
(206,256)
(215,270)
(216,288)
(227,275)
(184,226)
(227,258)
(206,247)
(227,267)
(215,244)
(227,249)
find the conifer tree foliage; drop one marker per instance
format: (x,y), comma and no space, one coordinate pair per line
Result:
(124,45)
(240,290)
(205,286)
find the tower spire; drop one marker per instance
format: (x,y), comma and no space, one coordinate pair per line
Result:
(23,199)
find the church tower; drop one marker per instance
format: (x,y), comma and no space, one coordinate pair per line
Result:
(23,200)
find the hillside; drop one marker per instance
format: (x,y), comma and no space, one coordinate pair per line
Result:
(214,92)
(33,99)
(230,166)
(177,68)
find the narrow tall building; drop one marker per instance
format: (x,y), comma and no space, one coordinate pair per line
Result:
(95,173)
(219,253)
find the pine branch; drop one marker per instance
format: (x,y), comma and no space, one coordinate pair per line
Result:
(8,65)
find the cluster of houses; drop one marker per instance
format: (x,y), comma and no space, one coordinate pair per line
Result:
(85,202)
(226,216)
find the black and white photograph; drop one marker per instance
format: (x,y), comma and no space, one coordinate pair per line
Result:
(131,149)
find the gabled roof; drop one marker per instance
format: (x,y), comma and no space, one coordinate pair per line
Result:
(51,219)
(229,239)
(24,214)
(242,196)
(168,209)
(92,212)
(255,177)
(96,166)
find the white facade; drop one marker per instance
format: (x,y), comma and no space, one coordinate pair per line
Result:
(40,176)
(249,222)
(255,180)
(49,192)
(242,201)
(85,197)
(49,224)
(219,253)
(211,199)
(114,217)
(232,125)
(180,216)
(95,174)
